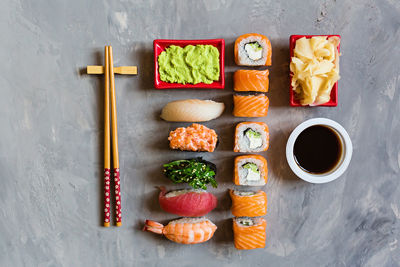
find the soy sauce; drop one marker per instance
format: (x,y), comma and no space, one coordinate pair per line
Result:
(317,149)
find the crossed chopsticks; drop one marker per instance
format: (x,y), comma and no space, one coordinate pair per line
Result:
(109,92)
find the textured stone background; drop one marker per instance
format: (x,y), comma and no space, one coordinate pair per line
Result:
(51,134)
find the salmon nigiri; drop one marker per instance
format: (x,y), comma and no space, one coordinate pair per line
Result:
(184,230)
(251,81)
(248,204)
(250,105)
(249,233)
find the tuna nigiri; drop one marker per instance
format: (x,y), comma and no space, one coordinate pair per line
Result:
(184,230)
(251,81)
(248,204)
(250,105)
(249,233)
(188,203)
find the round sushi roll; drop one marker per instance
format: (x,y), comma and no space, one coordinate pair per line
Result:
(249,233)
(248,203)
(251,137)
(253,49)
(251,170)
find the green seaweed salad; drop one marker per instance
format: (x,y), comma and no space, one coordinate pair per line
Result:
(198,173)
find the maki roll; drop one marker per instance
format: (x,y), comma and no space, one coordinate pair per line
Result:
(253,49)
(251,81)
(196,137)
(250,105)
(198,173)
(251,137)
(251,170)
(248,203)
(249,233)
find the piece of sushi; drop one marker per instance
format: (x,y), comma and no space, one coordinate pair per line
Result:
(251,170)
(249,233)
(251,137)
(192,110)
(196,137)
(251,81)
(253,49)
(198,173)
(248,203)
(187,203)
(184,230)
(250,105)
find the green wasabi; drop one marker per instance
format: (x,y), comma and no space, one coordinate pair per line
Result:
(191,64)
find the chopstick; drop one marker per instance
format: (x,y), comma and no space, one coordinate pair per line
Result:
(114,136)
(107,164)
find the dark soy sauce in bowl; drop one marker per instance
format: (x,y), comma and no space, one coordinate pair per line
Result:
(318,149)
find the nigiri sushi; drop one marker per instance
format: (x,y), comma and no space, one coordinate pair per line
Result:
(251,137)
(198,173)
(251,81)
(192,110)
(250,105)
(251,170)
(187,203)
(248,203)
(249,233)
(253,49)
(196,137)
(184,230)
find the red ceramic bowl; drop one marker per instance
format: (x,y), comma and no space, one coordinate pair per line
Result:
(334,93)
(160,45)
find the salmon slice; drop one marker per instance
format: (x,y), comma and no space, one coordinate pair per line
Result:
(196,137)
(248,205)
(249,237)
(184,230)
(251,81)
(250,105)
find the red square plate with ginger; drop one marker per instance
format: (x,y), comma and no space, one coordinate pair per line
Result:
(333,102)
(159,45)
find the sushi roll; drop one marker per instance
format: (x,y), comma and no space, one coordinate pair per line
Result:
(251,137)
(184,230)
(196,137)
(248,203)
(251,170)
(251,81)
(187,203)
(249,233)
(253,49)
(192,110)
(250,105)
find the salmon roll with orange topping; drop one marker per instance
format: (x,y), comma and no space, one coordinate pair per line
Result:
(248,203)
(252,106)
(251,137)
(196,137)
(251,81)
(249,233)
(251,170)
(253,49)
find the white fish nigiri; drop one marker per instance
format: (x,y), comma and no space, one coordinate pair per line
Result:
(192,110)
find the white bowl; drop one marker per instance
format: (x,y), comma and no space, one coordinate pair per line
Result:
(347,150)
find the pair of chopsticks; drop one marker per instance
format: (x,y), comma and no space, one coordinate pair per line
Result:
(109,90)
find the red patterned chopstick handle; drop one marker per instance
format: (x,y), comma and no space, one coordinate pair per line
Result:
(106,197)
(117,196)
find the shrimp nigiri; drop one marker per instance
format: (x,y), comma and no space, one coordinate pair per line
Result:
(184,230)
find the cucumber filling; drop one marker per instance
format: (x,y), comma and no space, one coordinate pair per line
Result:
(245,194)
(246,222)
(253,50)
(253,173)
(255,139)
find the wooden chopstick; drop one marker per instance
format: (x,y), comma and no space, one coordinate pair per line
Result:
(107,164)
(114,136)
(130,70)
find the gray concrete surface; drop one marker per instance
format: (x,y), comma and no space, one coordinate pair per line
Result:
(51,134)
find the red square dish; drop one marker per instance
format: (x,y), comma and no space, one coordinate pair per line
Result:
(159,45)
(333,102)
